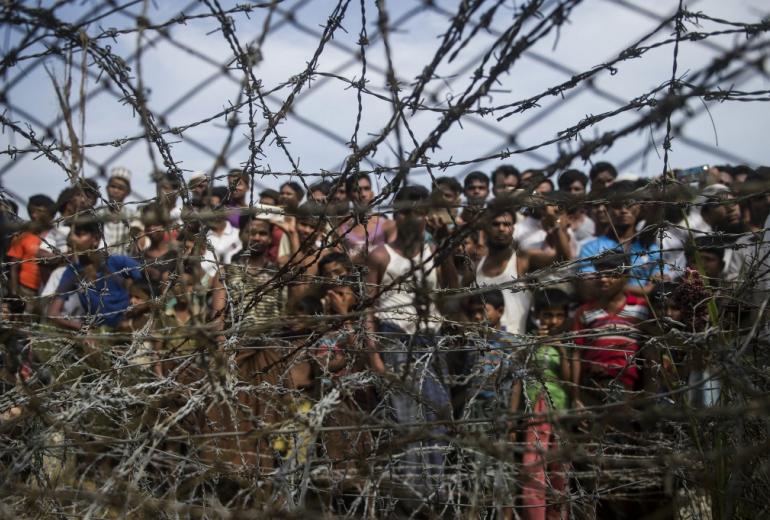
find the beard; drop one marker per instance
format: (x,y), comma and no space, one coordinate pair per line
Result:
(410,232)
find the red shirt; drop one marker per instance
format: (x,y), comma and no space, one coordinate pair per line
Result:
(613,339)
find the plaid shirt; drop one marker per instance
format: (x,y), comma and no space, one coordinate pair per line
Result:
(117,229)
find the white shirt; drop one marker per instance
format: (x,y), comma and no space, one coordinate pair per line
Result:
(226,244)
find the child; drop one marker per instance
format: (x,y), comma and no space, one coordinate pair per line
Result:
(545,391)
(607,361)
(26,277)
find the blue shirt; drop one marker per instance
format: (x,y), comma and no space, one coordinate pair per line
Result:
(107,297)
(645,261)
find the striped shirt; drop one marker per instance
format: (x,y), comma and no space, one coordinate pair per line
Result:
(612,339)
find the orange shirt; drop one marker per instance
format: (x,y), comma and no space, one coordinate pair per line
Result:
(24,247)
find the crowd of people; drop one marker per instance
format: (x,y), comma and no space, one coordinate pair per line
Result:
(436,318)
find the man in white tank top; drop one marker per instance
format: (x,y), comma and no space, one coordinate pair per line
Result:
(504,265)
(402,278)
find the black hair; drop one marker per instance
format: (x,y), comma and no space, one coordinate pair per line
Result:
(322,186)
(506,170)
(295,187)
(242,175)
(600,167)
(500,205)
(475,176)
(706,243)
(569,177)
(450,182)
(42,201)
(142,285)
(270,193)
(408,195)
(351,182)
(170,178)
(493,297)
(336,256)
(613,261)
(308,305)
(550,298)
(220,192)
(64,198)
(89,225)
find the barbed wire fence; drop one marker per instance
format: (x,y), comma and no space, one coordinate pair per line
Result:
(228,429)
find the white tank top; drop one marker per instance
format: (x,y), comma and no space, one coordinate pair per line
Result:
(516,303)
(397,305)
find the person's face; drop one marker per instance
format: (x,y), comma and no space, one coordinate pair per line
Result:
(500,230)
(340,195)
(289,197)
(552,319)
(674,312)
(117,190)
(318,196)
(258,236)
(40,214)
(623,215)
(334,270)
(200,189)
(505,183)
(486,314)
(346,295)
(183,288)
(362,193)
(543,188)
(599,214)
(725,215)
(238,187)
(308,230)
(155,232)
(609,284)
(759,207)
(139,299)
(268,201)
(82,241)
(602,180)
(577,189)
(712,264)
(477,191)
(410,223)
(168,193)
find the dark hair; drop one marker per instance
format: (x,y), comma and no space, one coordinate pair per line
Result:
(475,176)
(270,193)
(493,297)
(42,201)
(408,195)
(500,205)
(311,210)
(242,175)
(550,299)
(64,198)
(308,305)
(142,286)
(322,186)
(90,187)
(351,182)
(600,167)
(295,187)
(506,170)
(336,256)
(89,225)
(221,192)
(569,177)
(707,243)
(450,182)
(612,261)
(170,178)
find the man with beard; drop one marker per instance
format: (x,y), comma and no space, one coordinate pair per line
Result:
(621,237)
(722,213)
(504,264)
(403,276)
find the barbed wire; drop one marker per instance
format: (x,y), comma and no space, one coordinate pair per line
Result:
(266,399)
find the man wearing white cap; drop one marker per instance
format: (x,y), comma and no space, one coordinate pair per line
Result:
(119,219)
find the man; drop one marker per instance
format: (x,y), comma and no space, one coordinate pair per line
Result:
(223,239)
(198,187)
(722,214)
(476,188)
(573,182)
(602,174)
(620,237)
(319,192)
(504,265)
(100,281)
(403,278)
(169,187)
(505,179)
(119,220)
(239,183)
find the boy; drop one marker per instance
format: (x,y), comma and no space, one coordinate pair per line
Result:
(26,277)
(545,388)
(607,360)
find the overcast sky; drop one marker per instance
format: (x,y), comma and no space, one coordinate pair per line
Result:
(186,87)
